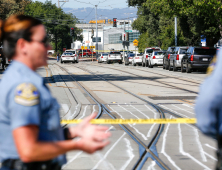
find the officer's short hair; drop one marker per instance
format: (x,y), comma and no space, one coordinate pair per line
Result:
(14,28)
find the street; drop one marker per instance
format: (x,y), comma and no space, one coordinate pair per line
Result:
(177,146)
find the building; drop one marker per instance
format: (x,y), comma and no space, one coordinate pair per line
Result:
(108,36)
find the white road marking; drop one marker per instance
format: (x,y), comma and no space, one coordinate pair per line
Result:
(204,159)
(130,153)
(71,160)
(107,153)
(151,167)
(105,163)
(71,116)
(187,154)
(144,137)
(129,111)
(174,111)
(163,147)
(155,116)
(84,112)
(210,156)
(188,106)
(140,112)
(182,109)
(65,108)
(206,144)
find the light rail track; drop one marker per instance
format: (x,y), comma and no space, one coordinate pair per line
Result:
(148,150)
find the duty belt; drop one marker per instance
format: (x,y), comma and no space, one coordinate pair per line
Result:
(17,164)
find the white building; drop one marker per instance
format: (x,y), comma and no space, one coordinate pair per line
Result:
(108,36)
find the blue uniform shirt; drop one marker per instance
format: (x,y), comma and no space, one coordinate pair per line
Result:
(208,107)
(25,100)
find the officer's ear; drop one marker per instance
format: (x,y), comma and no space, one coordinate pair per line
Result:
(21,46)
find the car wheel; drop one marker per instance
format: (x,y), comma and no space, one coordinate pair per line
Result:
(61,61)
(120,62)
(107,62)
(73,61)
(170,69)
(174,67)
(188,70)
(164,66)
(146,64)
(143,64)
(151,66)
(182,68)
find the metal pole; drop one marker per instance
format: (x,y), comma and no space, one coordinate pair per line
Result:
(58,4)
(96,34)
(103,37)
(175,31)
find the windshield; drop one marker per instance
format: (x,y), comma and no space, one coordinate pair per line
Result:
(105,54)
(131,55)
(115,53)
(200,51)
(67,53)
(183,51)
(158,53)
(71,52)
(139,54)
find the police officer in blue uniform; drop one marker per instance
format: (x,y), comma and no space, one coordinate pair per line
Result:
(208,107)
(31,135)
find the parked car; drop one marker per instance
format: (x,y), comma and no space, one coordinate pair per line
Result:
(115,56)
(129,58)
(147,53)
(156,59)
(137,59)
(166,57)
(76,57)
(102,57)
(197,58)
(67,57)
(175,58)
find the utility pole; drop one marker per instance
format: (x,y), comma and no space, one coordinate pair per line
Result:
(175,31)
(96,34)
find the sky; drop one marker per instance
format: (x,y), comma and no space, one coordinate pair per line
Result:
(103,4)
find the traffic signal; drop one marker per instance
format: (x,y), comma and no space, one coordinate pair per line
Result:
(127,36)
(72,31)
(114,22)
(120,37)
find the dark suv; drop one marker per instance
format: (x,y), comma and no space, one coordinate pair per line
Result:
(197,58)
(166,57)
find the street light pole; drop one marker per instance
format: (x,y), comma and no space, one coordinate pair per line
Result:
(96,34)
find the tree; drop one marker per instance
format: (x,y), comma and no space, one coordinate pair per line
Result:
(57,23)
(198,17)
(9,7)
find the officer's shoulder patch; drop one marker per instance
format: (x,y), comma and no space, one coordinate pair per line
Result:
(26,94)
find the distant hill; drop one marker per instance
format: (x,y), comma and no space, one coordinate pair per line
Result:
(89,13)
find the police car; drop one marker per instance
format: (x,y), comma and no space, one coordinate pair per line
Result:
(67,57)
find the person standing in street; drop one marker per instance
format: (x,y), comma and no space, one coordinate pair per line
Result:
(31,135)
(57,55)
(208,106)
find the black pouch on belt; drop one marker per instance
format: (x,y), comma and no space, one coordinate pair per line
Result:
(17,164)
(219,154)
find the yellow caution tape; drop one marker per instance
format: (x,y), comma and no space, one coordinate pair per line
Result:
(137,121)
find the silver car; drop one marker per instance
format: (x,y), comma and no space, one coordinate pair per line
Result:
(176,57)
